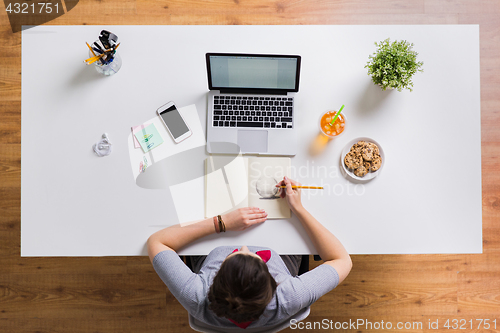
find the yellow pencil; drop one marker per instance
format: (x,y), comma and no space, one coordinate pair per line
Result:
(93,59)
(113,48)
(90,49)
(309,187)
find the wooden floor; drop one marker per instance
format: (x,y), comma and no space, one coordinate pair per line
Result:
(125,294)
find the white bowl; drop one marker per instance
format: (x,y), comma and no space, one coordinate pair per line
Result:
(369,175)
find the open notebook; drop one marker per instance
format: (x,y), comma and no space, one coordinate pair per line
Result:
(235,182)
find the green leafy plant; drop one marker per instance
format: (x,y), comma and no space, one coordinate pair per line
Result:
(393,65)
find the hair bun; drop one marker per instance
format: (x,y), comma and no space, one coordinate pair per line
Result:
(241,289)
(234,302)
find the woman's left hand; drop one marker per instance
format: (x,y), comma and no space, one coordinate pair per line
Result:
(242,218)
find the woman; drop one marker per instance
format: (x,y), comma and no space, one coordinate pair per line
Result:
(239,287)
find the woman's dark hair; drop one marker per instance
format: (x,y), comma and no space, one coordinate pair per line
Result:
(241,289)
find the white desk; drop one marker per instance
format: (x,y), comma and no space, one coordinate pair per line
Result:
(426,200)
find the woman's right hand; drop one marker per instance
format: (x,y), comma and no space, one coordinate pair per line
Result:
(292,195)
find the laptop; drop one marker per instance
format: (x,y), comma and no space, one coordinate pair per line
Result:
(251,103)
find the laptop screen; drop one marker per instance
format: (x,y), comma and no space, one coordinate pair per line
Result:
(253,72)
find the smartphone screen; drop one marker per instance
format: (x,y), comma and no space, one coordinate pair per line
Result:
(174,121)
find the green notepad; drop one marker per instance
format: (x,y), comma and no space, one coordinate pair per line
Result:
(148,138)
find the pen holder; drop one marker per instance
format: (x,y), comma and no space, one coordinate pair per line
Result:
(108,68)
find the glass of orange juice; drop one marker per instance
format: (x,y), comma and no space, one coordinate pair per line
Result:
(335,130)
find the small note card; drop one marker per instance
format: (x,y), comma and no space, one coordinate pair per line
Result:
(148,138)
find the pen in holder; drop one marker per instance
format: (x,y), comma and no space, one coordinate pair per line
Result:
(107,65)
(103,54)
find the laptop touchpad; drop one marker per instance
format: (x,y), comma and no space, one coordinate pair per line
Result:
(252,141)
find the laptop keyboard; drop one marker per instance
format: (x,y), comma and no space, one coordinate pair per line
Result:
(252,111)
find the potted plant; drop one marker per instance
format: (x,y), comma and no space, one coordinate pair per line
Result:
(393,65)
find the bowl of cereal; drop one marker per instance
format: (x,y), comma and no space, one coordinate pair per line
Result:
(362,158)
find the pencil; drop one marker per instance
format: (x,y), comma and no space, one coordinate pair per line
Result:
(93,59)
(113,48)
(307,187)
(90,49)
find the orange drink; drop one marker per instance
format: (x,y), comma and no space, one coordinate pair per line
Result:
(332,131)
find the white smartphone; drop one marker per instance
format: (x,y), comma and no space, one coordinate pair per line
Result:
(174,122)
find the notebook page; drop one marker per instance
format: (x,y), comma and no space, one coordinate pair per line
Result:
(226,187)
(263,175)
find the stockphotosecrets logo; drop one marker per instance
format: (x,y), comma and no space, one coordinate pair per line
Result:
(36,12)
